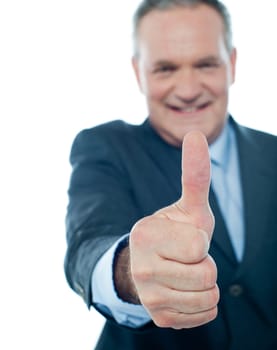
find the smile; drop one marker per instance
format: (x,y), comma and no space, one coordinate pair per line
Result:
(189,109)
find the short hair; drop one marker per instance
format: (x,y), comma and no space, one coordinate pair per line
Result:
(147,6)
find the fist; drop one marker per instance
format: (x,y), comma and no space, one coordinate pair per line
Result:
(173,274)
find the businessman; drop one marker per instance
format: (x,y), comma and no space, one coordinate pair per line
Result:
(172,225)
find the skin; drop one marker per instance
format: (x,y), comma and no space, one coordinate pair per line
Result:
(167,267)
(184,70)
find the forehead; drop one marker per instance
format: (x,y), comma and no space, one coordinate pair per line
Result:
(181,30)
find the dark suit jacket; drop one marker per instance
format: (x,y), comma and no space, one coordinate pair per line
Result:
(122,173)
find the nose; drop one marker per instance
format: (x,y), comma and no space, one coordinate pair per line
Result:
(187,87)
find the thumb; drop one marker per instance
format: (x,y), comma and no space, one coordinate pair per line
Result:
(196,178)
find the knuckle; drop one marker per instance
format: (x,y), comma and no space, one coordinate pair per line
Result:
(164,320)
(210,274)
(213,297)
(211,314)
(154,301)
(199,246)
(142,274)
(216,295)
(139,234)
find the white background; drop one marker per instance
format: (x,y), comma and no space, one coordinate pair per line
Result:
(64,66)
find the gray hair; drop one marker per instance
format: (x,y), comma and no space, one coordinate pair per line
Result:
(147,6)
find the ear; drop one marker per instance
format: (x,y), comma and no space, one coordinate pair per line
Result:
(233,61)
(135,64)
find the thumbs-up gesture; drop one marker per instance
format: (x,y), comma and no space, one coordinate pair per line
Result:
(173,274)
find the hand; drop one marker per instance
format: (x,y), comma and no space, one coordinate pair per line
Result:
(172,272)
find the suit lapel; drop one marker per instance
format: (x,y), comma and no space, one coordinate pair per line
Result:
(256,187)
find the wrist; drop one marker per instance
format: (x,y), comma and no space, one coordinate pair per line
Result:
(123,282)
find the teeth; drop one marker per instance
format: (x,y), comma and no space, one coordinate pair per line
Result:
(189,109)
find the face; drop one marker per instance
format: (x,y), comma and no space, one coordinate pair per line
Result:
(184,70)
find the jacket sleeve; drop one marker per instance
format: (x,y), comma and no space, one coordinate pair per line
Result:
(101,207)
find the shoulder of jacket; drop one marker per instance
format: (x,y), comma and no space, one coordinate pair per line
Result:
(115,126)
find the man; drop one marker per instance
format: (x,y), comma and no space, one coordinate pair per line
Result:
(172,261)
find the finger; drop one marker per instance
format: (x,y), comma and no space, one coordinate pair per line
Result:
(195,172)
(186,302)
(179,320)
(187,277)
(168,241)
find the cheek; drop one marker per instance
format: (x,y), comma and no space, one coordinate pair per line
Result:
(157,90)
(219,85)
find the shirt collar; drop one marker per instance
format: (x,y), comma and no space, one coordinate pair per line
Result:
(219,149)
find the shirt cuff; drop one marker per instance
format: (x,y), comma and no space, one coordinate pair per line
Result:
(105,296)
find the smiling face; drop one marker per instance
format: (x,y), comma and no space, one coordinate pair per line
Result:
(185,70)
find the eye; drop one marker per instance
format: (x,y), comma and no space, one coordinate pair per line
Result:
(165,69)
(208,65)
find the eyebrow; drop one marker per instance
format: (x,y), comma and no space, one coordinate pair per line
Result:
(172,63)
(164,63)
(209,59)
